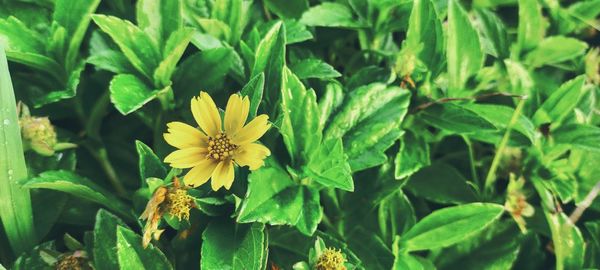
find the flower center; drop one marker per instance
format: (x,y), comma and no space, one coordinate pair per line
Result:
(220,147)
(180,203)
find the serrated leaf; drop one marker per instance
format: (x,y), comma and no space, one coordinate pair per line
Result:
(275,199)
(270,59)
(15,203)
(412,155)
(314,68)
(141,50)
(105,240)
(254,90)
(369,123)
(76,185)
(132,255)
(226,244)
(128,93)
(464,51)
(329,167)
(561,102)
(450,225)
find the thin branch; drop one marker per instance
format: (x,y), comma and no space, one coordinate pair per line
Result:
(589,199)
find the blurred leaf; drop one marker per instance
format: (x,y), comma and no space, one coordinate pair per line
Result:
(132,255)
(73,184)
(532,26)
(464,51)
(450,225)
(554,50)
(561,102)
(287,9)
(226,244)
(159,18)
(495,31)
(314,68)
(523,131)
(232,13)
(204,70)
(585,137)
(296,32)
(15,203)
(331,14)
(441,183)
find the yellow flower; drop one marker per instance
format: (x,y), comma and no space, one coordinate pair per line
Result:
(213,151)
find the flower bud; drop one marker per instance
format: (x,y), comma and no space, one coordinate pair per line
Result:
(331,259)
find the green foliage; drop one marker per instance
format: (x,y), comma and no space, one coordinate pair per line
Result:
(416,134)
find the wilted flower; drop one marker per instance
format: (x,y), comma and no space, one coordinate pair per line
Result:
(174,201)
(331,259)
(77,260)
(38,133)
(213,151)
(516,203)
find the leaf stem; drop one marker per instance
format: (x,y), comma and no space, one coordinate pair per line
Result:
(101,155)
(471,159)
(98,112)
(491,176)
(587,201)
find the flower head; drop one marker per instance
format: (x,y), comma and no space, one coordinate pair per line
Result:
(331,259)
(516,202)
(212,151)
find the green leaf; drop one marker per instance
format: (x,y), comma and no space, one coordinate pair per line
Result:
(523,131)
(455,119)
(300,126)
(532,26)
(204,70)
(287,9)
(450,225)
(103,56)
(371,250)
(412,155)
(330,101)
(495,31)
(76,185)
(441,183)
(569,246)
(141,50)
(296,32)
(69,90)
(274,198)
(226,244)
(464,51)
(254,90)
(75,18)
(132,255)
(554,50)
(105,240)
(425,35)
(561,102)
(174,48)
(520,79)
(15,204)
(16,37)
(150,165)
(230,12)
(369,123)
(314,68)
(329,166)
(129,93)
(585,137)
(404,261)
(331,14)
(270,59)
(159,18)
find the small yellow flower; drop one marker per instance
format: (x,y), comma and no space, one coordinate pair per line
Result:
(213,151)
(331,259)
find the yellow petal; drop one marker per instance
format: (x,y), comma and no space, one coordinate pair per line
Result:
(223,175)
(236,113)
(182,135)
(206,114)
(252,131)
(187,157)
(251,155)
(200,173)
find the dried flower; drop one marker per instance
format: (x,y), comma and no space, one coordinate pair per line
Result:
(331,259)
(516,202)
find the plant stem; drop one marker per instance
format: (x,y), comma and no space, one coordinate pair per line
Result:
(471,159)
(587,201)
(98,112)
(491,176)
(101,155)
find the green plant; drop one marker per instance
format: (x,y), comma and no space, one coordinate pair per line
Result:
(297,134)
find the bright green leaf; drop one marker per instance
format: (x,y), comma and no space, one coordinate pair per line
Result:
(331,14)
(561,102)
(554,50)
(132,255)
(254,90)
(226,244)
(129,93)
(314,68)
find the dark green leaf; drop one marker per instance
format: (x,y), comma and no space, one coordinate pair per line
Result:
(495,31)
(150,165)
(450,225)
(456,119)
(523,130)
(287,9)
(105,241)
(270,59)
(132,255)
(226,244)
(205,70)
(425,36)
(441,183)
(581,136)
(412,155)
(254,90)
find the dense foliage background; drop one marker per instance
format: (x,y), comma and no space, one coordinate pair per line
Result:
(407,134)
